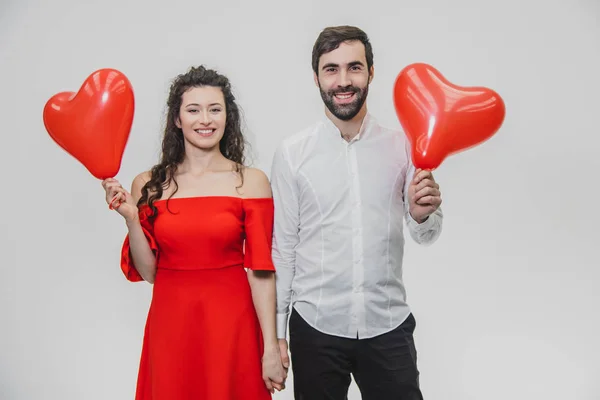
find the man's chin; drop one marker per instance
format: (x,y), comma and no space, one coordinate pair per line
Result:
(344,117)
(344,114)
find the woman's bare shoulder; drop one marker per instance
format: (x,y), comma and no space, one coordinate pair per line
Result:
(138,183)
(256,183)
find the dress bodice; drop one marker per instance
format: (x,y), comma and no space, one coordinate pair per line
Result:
(191,233)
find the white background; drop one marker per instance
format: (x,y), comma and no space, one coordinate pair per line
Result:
(506,301)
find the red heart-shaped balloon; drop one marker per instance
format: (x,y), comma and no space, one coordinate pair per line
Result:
(93,124)
(440,118)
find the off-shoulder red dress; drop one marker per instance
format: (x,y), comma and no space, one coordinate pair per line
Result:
(202,339)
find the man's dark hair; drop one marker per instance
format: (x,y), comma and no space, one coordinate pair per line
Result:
(330,39)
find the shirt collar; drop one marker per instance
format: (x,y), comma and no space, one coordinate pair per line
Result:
(364,130)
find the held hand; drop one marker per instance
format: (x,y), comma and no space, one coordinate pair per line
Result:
(274,374)
(424,195)
(283,351)
(120,199)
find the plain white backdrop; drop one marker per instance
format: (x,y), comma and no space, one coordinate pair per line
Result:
(506,301)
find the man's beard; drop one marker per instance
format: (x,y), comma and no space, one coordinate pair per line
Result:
(345,112)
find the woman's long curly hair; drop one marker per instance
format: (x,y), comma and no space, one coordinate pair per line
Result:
(173,150)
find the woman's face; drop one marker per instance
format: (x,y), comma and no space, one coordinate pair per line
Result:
(202,116)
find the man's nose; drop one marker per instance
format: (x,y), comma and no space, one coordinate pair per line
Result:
(344,79)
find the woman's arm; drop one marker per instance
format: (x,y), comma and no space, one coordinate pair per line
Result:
(141,253)
(144,259)
(262,285)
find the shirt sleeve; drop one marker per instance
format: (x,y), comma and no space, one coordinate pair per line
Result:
(285,235)
(258,226)
(127,266)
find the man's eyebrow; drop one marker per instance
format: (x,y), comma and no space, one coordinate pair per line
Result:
(329,65)
(353,63)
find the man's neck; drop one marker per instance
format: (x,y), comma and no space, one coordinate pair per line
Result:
(348,129)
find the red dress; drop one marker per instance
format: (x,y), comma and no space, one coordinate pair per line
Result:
(202,339)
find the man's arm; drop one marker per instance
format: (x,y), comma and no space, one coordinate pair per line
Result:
(422,202)
(285,234)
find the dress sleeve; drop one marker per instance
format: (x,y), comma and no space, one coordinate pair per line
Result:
(258,225)
(126,260)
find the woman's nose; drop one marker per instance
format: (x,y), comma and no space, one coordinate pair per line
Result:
(205,118)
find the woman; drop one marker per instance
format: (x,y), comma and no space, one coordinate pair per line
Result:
(195,222)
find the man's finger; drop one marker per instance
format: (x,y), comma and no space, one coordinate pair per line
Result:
(426,191)
(430,200)
(425,183)
(422,174)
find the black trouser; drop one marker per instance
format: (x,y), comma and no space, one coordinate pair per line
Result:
(384,367)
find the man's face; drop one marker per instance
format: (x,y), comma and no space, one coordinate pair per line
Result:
(343,79)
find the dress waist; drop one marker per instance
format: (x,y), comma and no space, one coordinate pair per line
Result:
(197,267)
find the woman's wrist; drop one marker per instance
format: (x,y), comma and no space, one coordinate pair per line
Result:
(271,346)
(133,221)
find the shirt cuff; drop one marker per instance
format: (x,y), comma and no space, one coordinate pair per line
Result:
(282,320)
(422,227)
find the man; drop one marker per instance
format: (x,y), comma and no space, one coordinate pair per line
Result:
(342,189)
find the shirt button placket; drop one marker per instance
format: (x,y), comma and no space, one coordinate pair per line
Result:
(356,239)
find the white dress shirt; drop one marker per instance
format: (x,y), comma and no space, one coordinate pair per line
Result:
(338,234)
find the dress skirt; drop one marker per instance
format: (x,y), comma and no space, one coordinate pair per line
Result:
(202,338)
